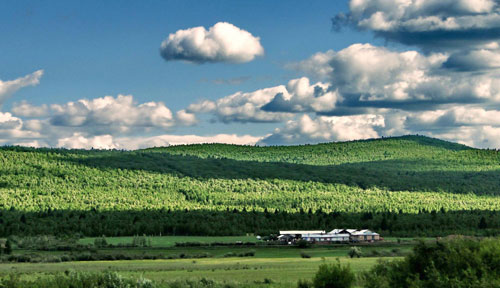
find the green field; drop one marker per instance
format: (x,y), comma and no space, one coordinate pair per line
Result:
(170,241)
(284,266)
(284,271)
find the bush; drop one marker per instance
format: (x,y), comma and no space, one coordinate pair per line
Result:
(100,242)
(79,280)
(456,263)
(334,276)
(354,252)
(304,284)
(303,244)
(304,255)
(229,254)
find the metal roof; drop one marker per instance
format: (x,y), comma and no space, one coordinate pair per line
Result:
(295,232)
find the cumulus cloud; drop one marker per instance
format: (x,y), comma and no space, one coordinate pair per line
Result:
(185,118)
(11,127)
(450,118)
(243,106)
(79,141)
(110,114)
(222,42)
(376,77)
(475,59)
(7,88)
(325,129)
(317,66)
(431,24)
(166,140)
(274,104)
(301,96)
(88,122)
(481,137)
(25,109)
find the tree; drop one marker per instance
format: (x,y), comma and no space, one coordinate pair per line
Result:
(383,224)
(8,247)
(482,223)
(355,252)
(334,276)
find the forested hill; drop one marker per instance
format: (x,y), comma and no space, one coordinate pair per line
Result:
(410,174)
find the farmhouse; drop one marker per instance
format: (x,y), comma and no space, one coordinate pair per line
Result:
(294,235)
(364,236)
(334,236)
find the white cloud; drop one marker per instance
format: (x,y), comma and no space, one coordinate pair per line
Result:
(109,114)
(274,104)
(12,128)
(301,96)
(243,107)
(371,76)
(25,109)
(476,59)
(326,129)
(79,141)
(317,66)
(480,137)
(166,140)
(223,42)
(450,118)
(7,88)
(185,118)
(432,24)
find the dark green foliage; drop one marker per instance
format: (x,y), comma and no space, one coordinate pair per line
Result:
(212,223)
(305,255)
(482,223)
(78,280)
(334,276)
(304,284)
(141,241)
(391,184)
(8,247)
(302,244)
(452,263)
(100,242)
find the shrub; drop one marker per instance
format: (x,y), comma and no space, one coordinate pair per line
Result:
(304,284)
(79,280)
(8,247)
(449,263)
(303,244)
(229,254)
(304,255)
(100,242)
(354,252)
(334,276)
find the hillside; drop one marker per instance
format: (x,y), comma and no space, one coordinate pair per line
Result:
(402,175)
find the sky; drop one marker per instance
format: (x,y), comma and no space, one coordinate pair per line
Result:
(138,74)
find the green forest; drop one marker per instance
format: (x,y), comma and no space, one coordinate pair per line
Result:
(410,185)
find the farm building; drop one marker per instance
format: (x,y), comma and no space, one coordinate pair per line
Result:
(326,238)
(364,236)
(294,235)
(334,236)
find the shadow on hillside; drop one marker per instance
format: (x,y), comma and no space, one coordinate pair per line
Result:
(393,175)
(233,222)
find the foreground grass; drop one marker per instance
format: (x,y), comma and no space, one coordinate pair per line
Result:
(283,272)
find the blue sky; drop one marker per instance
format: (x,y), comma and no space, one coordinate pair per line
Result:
(91,49)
